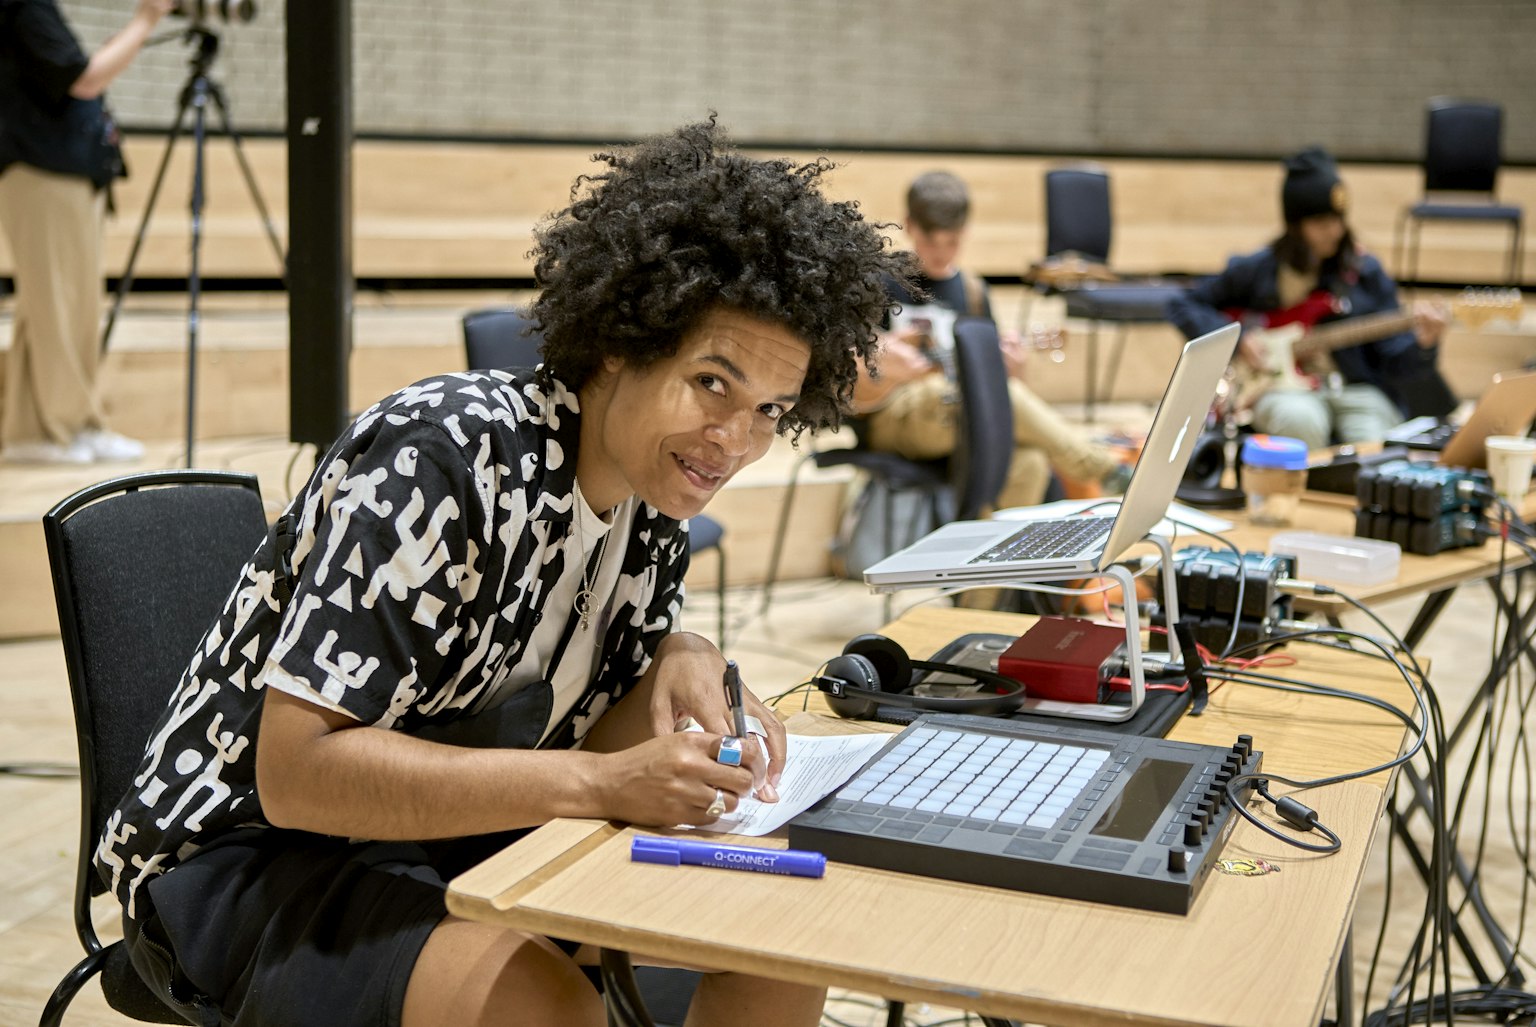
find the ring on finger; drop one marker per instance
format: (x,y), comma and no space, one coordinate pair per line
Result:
(730,751)
(717,808)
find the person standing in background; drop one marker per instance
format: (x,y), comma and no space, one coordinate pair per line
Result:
(58,155)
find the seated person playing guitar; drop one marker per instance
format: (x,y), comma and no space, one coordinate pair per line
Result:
(1316,275)
(908,402)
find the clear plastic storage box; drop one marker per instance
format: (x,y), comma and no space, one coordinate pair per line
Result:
(1339,559)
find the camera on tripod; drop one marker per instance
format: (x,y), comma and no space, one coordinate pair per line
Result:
(202,11)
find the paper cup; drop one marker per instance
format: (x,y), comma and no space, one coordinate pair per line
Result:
(1509,464)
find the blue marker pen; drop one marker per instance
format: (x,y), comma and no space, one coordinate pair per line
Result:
(673,851)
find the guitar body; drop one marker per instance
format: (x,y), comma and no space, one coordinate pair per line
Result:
(1294,340)
(1275,334)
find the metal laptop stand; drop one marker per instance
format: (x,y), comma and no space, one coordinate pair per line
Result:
(1106,712)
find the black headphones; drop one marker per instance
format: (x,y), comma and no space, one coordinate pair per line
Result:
(1201,483)
(874,671)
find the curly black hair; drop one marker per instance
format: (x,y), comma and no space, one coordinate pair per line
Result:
(682,224)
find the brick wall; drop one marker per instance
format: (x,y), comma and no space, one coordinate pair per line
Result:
(1129,76)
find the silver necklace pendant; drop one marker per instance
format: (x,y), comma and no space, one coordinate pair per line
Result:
(585,597)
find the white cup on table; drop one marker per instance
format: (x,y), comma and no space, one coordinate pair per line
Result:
(1509,465)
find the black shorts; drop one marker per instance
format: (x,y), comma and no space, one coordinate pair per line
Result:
(266,926)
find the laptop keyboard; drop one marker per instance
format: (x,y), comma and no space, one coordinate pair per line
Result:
(1048,540)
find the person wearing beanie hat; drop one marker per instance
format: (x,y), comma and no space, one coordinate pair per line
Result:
(1312,186)
(1316,267)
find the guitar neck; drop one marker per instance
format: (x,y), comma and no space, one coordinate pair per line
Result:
(1354,331)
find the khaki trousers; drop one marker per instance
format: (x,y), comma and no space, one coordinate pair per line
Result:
(919,423)
(53,223)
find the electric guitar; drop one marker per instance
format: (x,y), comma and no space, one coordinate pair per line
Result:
(1295,346)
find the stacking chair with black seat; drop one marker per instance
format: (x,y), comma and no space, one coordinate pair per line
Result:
(141,567)
(962,486)
(984,450)
(503,337)
(500,337)
(1462,154)
(1079,228)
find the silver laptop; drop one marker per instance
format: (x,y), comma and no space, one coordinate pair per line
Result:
(999,551)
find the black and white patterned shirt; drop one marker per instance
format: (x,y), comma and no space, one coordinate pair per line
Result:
(425,544)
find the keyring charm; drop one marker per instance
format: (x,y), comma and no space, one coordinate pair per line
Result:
(717,808)
(730,751)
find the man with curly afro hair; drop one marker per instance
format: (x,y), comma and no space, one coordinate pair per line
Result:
(468,625)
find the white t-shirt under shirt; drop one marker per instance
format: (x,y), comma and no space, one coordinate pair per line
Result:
(575,668)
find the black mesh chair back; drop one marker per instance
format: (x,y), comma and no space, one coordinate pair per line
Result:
(984,444)
(141,567)
(1462,143)
(499,338)
(1077,213)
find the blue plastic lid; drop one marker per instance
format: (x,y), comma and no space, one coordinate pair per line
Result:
(1280,451)
(650,849)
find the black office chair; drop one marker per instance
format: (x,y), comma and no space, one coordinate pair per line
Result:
(141,565)
(1079,223)
(959,487)
(500,337)
(1462,154)
(984,450)
(505,337)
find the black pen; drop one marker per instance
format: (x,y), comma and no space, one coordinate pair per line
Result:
(733,697)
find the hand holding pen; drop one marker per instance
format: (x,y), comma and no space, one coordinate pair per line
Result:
(687,681)
(745,731)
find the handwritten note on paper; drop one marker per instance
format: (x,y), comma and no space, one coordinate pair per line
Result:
(813,766)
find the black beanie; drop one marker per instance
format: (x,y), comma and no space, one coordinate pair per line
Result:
(1312,186)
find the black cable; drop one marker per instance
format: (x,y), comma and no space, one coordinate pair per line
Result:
(621,993)
(805,686)
(1291,810)
(1242,581)
(52,771)
(1437,912)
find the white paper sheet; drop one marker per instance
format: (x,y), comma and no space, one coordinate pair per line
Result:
(813,766)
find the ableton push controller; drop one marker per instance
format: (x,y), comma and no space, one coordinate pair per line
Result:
(1127,820)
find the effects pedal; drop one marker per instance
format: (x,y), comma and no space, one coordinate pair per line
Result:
(1207,583)
(1424,508)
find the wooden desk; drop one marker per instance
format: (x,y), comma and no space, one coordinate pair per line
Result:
(1417,576)
(1255,950)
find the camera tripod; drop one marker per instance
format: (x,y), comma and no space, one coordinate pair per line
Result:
(196,94)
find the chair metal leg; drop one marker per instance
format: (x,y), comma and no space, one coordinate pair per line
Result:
(1411,254)
(621,995)
(64,993)
(778,533)
(1115,356)
(1517,255)
(890,542)
(720,592)
(1091,373)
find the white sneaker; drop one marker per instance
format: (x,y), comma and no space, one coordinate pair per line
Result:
(77,452)
(110,447)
